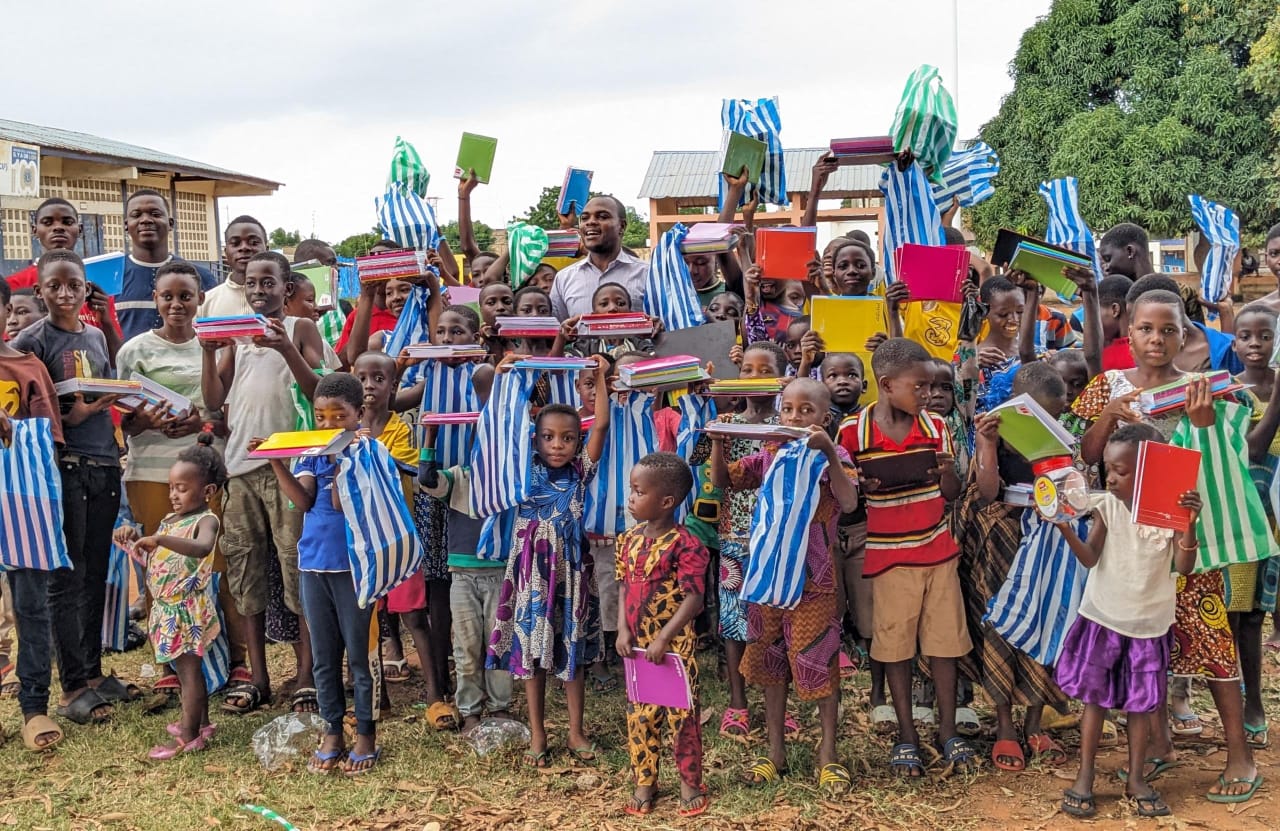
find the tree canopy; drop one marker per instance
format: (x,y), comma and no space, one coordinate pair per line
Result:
(544,215)
(280,238)
(1145,102)
(357,245)
(483,232)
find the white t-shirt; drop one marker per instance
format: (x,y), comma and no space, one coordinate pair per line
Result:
(224,300)
(260,401)
(178,367)
(1132,589)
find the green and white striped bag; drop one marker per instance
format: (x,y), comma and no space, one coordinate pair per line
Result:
(407,169)
(1233,524)
(526,246)
(925,122)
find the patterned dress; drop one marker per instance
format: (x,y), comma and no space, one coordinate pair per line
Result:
(184,614)
(735,533)
(548,614)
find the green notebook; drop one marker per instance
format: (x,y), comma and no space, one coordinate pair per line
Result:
(739,151)
(476,154)
(1029,429)
(1044,265)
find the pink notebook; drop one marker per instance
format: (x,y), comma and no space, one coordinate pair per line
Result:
(663,685)
(933,272)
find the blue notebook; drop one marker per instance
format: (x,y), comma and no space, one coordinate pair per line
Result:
(575,191)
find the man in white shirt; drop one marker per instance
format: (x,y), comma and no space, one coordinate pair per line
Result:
(244,238)
(602,222)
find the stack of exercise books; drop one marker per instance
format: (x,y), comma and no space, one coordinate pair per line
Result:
(710,238)
(1173,396)
(755,432)
(563,243)
(615,325)
(442,419)
(747,387)
(391,265)
(1038,259)
(527,327)
(675,369)
(300,443)
(240,328)
(438,351)
(93,387)
(549,362)
(863,150)
(151,394)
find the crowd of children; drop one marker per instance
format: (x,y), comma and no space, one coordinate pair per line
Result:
(900,579)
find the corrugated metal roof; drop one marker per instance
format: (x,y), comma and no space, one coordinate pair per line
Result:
(92,148)
(687,174)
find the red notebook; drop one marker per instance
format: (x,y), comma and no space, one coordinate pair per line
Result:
(785,253)
(662,685)
(933,272)
(1164,473)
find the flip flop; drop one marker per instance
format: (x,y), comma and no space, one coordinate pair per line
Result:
(1046,750)
(696,805)
(39,726)
(325,762)
(1079,805)
(1008,749)
(400,674)
(763,771)
(1159,767)
(366,761)
(835,778)
(587,754)
(1257,737)
(604,685)
(174,729)
(537,760)
(1254,784)
(1151,805)
(1179,728)
(637,807)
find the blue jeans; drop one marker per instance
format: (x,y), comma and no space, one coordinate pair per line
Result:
(337,624)
(30,590)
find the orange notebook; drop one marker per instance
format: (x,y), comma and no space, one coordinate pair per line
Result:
(785,253)
(933,272)
(1164,474)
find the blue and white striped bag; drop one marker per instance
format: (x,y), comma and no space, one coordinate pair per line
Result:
(496,532)
(502,456)
(562,389)
(31,500)
(448,389)
(115,611)
(413,325)
(408,219)
(1040,597)
(1221,228)
(774,573)
(760,120)
(631,437)
(215,666)
(382,540)
(967,176)
(696,412)
(669,294)
(910,214)
(348,279)
(1067,228)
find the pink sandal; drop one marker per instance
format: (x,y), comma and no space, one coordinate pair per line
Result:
(206,732)
(163,752)
(790,726)
(736,722)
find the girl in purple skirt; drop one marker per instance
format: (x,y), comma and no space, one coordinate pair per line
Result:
(1116,654)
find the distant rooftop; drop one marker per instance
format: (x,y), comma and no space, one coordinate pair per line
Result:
(69,144)
(691,174)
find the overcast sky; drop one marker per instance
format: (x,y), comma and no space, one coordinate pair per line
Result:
(313,94)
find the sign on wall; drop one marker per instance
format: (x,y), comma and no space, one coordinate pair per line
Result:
(19,169)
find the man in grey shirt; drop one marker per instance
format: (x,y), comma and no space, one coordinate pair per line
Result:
(601,224)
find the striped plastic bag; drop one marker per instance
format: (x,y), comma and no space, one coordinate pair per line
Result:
(925,122)
(1067,228)
(115,612)
(562,389)
(1221,228)
(448,389)
(348,279)
(31,500)
(527,245)
(1040,597)
(696,412)
(788,498)
(1233,525)
(760,120)
(502,456)
(967,176)
(910,214)
(413,325)
(382,541)
(631,437)
(669,294)
(406,218)
(495,536)
(407,169)
(215,666)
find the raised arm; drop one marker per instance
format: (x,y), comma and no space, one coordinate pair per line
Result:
(466,234)
(822,170)
(1092,345)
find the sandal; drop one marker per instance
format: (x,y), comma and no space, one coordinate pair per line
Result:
(763,771)
(1150,806)
(790,727)
(1186,724)
(967,723)
(1079,805)
(835,779)
(82,708)
(113,689)
(164,752)
(586,754)
(243,698)
(696,805)
(395,672)
(959,754)
(1223,784)
(604,685)
(356,764)
(175,730)
(884,719)
(37,727)
(537,760)
(1152,770)
(1007,754)
(1110,734)
(1046,750)
(10,686)
(735,723)
(324,762)
(906,756)
(637,807)
(922,715)
(304,700)
(442,716)
(1257,737)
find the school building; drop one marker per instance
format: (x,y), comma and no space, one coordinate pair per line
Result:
(682,186)
(97,175)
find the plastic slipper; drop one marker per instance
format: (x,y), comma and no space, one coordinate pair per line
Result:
(696,805)
(1008,749)
(1110,734)
(113,689)
(884,718)
(174,729)
(906,756)
(848,668)
(81,708)
(324,762)
(763,771)
(1150,806)
(304,700)
(1080,805)
(442,716)
(637,807)
(1257,737)
(922,715)
(967,723)
(586,754)
(537,760)
(242,698)
(1157,767)
(358,765)
(395,672)
(164,752)
(959,754)
(790,727)
(1046,750)
(39,726)
(1254,784)
(1186,724)
(604,685)
(735,722)
(1051,719)
(835,778)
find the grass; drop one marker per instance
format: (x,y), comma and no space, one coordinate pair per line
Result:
(99,777)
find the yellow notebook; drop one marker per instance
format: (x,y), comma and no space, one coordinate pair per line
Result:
(303,443)
(845,323)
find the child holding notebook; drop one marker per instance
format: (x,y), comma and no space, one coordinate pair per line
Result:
(662,567)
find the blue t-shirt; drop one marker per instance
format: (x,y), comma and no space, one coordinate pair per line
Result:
(323,544)
(1222,353)
(135,307)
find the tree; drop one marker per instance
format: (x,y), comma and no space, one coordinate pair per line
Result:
(544,215)
(1143,101)
(483,232)
(1263,75)
(357,245)
(280,238)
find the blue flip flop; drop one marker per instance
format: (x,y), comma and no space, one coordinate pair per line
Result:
(359,759)
(324,762)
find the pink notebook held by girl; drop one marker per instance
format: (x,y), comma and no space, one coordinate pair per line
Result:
(662,685)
